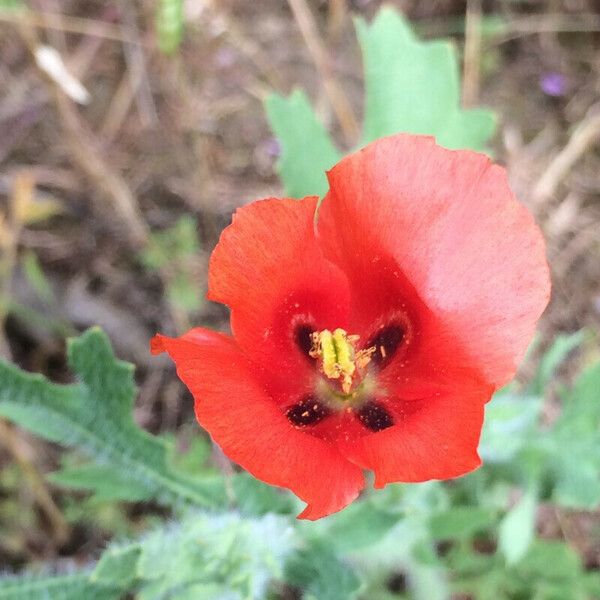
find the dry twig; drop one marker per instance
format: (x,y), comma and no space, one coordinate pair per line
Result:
(77,25)
(585,135)
(87,157)
(472,69)
(339,102)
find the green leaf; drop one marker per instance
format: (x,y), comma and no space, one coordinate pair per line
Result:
(36,277)
(242,555)
(550,560)
(12,5)
(414,86)
(573,443)
(172,245)
(460,522)
(306,148)
(577,482)
(107,483)
(257,498)
(169,21)
(581,409)
(358,526)
(95,415)
(410,86)
(320,573)
(552,359)
(118,566)
(510,421)
(518,527)
(77,586)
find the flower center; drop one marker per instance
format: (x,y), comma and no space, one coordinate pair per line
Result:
(338,357)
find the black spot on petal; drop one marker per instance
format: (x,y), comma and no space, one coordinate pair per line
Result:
(374,416)
(386,343)
(309,411)
(302,337)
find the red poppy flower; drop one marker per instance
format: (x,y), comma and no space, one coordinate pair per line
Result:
(373,338)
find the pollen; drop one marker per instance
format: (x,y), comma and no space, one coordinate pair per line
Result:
(339,359)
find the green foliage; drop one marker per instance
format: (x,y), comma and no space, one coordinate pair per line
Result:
(169,24)
(573,446)
(317,570)
(414,86)
(95,415)
(236,556)
(517,528)
(11,5)
(62,587)
(36,277)
(174,251)
(491,550)
(410,86)
(562,346)
(461,522)
(306,148)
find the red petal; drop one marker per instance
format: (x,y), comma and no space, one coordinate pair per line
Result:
(252,430)
(269,269)
(464,247)
(435,438)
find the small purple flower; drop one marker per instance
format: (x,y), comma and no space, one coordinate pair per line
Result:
(553,84)
(273,147)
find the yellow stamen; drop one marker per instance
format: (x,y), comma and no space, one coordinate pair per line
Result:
(339,359)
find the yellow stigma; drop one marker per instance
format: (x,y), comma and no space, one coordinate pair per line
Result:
(339,360)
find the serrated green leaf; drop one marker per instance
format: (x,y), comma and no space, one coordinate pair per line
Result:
(306,148)
(95,415)
(61,587)
(518,527)
(414,86)
(242,555)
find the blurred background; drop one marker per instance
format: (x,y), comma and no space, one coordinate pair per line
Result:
(130,131)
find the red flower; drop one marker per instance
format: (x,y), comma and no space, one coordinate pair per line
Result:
(373,339)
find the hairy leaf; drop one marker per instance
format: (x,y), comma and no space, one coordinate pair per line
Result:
(95,415)
(239,555)
(77,586)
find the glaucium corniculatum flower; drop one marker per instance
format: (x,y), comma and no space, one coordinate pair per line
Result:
(372,337)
